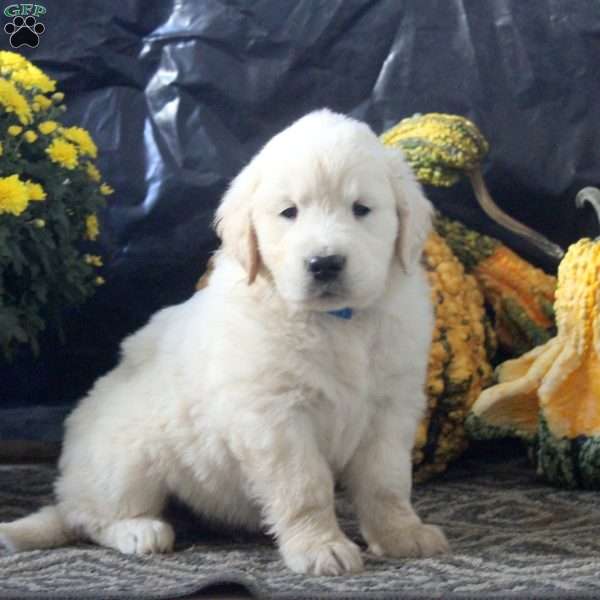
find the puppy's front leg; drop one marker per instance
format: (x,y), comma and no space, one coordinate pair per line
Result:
(379,478)
(295,488)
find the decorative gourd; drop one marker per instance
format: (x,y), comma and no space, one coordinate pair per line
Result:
(551,395)
(459,365)
(441,148)
(520,295)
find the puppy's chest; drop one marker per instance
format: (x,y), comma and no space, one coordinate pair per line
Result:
(339,379)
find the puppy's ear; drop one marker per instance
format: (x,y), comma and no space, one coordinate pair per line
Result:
(233,221)
(414,211)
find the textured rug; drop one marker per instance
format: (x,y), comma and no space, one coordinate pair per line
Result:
(511,537)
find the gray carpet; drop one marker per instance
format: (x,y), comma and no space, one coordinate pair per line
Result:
(511,537)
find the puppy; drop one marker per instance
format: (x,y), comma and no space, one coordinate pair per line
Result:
(301,362)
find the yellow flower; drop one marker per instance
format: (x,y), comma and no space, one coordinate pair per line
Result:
(82,138)
(91,227)
(63,153)
(106,190)
(58,97)
(39,223)
(36,191)
(13,101)
(30,77)
(30,136)
(42,101)
(47,127)
(92,172)
(99,280)
(13,195)
(14,130)
(12,60)
(93,259)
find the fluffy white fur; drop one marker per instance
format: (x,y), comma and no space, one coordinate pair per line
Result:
(249,400)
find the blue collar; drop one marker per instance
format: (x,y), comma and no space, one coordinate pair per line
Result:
(342,313)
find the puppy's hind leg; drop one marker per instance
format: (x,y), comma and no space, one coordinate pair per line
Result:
(140,535)
(116,504)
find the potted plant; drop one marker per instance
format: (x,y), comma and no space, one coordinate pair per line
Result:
(51,193)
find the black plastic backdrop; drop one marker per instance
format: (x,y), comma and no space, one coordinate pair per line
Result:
(180,94)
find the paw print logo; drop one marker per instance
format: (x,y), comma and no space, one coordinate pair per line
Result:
(24,32)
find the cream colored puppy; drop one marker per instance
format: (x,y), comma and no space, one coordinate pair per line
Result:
(302,362)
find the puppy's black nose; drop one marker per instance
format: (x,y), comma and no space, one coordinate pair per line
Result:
(326,268)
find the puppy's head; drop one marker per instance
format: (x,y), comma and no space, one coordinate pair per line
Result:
(322,211)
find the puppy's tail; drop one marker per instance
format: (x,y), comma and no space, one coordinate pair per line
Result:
(43,529)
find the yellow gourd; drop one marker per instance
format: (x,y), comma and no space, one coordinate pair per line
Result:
(459,366)
(551,395)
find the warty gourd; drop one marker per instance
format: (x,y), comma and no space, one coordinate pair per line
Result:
(550,396)
(441,148)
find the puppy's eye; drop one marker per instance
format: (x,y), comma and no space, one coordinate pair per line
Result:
(360,210)
(289,213)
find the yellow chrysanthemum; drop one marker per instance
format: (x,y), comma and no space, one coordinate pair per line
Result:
(10,61)
(30,77)
(93,172)
(47,127)
(13,101)
(36,191)
(63,153)
(30,136)
(42,101)
(92,228)
(14,130)
(106,190)
(94,260)
(14,196)
(82,138)
(58,97)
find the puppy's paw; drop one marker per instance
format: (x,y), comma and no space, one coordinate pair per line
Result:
(415,540)
(140,536)
(334,557)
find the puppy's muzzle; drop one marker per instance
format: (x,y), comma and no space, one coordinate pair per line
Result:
(326,268)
